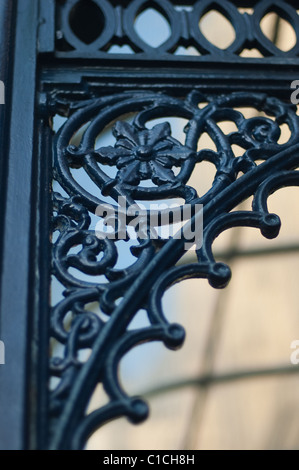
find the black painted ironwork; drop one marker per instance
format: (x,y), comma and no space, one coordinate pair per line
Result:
(141,153)
(90,29)
(71,73)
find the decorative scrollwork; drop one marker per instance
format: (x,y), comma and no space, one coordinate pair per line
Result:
(144,153)
(91,30)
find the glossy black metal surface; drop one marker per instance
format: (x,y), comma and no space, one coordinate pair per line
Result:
(71,72)
(90,29)
(142,284)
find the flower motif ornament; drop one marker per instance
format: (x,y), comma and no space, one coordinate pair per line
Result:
(147,154)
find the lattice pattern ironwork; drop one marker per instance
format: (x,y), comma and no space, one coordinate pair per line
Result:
(57,59)
(90,29)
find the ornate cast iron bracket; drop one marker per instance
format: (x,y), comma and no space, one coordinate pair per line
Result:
(72,70)
(142,153)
